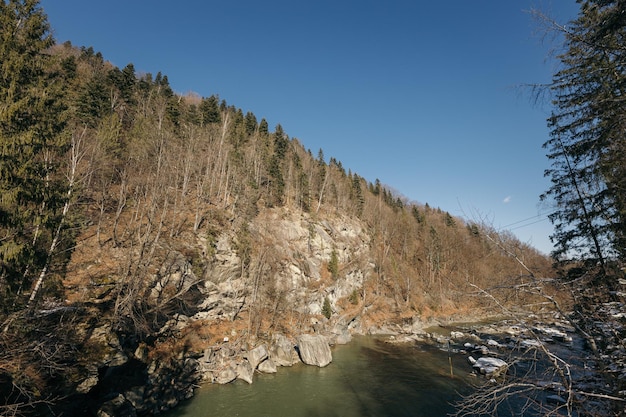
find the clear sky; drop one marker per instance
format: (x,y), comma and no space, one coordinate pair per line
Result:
(423,95)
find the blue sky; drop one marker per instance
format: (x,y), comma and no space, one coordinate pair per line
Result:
(425,96)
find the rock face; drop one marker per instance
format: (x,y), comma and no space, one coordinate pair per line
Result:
(314,350)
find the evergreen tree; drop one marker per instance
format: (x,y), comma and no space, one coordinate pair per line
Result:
(327,309)
(210,111)
(357,195)
(281,144)
(31,143)
(333,264)
(449,220)
(586,145)
(263,128)
(251,123)
(124,81)
(94,100)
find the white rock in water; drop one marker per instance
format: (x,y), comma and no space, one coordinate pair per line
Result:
(531,343)
(456,335)
(489,366)
(493,343)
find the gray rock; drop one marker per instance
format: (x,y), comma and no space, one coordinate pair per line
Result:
(314,350)
(245,371)
(135,397)
(256,355)
(267,366)
(283,352)
(340,334)
(112,353)
(343,338)
(490,366)
(89,382)
(225,376)
(118,406)
(555,399)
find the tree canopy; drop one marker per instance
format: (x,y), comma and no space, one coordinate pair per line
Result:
(587,143)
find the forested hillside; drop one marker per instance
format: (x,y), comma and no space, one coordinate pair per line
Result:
(140,227)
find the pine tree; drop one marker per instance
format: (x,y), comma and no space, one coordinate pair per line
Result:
(31,143)
(333,264)
(251,123)
(210,111)
(357,195)
(587,142)
(327,309)
(281,143)
(263,128)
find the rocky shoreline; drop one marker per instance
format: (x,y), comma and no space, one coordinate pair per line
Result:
(492,348)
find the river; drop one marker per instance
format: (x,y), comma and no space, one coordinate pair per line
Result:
(367,378)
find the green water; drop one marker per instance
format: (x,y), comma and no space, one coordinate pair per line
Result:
(367,377)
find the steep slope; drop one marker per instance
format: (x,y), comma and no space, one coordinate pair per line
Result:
(194,235)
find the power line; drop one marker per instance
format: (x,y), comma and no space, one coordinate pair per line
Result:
(522,221)
(529,224)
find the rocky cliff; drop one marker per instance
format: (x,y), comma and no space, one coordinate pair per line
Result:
(220,317)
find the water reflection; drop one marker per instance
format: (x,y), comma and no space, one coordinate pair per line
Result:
(368,377)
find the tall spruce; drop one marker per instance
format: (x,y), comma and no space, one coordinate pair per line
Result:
(31,143)
(281,144)
(587,143)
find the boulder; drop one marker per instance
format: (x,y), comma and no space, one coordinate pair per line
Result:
(118,406)
(456,335)
(342,338)
(489,366)
(314,350)
(225,376)
(135,397)
(283,352)
(267,366)
(256,356)
(531,343)
(89,382)
(340,334)
(245,371)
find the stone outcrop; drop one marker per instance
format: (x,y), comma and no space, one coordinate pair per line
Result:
(314,350)
(142,378)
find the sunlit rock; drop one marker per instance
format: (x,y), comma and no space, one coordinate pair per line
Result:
(314,350)
(282,351)
(256,355)
(490,366)
(267,366)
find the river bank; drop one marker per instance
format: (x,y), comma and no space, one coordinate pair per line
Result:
(368,377)
(476,359)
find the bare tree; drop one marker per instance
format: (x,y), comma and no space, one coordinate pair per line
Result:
(540,380)
(76,154)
